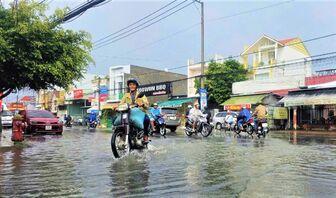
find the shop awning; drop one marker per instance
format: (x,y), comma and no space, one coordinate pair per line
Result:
(309,99)
(250,99)
(175,102)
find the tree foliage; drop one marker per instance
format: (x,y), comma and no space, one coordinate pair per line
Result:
(219,79)
(36,52)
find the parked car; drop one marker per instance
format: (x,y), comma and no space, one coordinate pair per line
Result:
(172,118)
(41,121)
(219,119)
(6,118)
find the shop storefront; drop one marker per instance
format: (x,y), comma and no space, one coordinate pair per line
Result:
(311,108)
(270,100)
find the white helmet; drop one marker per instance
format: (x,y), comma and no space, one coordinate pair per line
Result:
(189,106)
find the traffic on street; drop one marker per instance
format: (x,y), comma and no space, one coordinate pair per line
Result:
(80,164)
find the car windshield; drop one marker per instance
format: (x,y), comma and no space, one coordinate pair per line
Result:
(6,113)
(40,114)
(169,111)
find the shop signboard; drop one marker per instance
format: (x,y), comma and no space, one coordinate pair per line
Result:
(78,94)
(280,113)
(204,101)
(155,89)
(236,107)
(104,92)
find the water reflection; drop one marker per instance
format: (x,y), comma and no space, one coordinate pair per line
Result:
(80,164)
(129,177)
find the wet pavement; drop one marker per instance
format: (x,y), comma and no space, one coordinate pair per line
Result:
(80,164)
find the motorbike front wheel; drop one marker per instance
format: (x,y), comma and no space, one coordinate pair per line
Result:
(119,145)
(249,129)
(206,130)
(188,132)
(163,130)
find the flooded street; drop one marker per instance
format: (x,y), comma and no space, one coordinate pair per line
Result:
(80,164)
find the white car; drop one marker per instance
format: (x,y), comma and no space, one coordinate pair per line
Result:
(219,119)
(6,118)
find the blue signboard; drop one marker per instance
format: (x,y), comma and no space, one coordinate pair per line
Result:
(103,90)
(203,98)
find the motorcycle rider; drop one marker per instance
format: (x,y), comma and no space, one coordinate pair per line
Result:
(131,98)
(195,114)
(208,113)
(68,120)
(155,111)
(260,113)
(229,118)
(93,117)
(244,116)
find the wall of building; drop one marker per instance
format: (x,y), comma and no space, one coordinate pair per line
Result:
(258,86)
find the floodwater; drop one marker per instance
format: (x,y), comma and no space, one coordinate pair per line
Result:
(80,164)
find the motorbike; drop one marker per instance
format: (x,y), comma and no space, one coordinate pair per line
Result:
(229,127)
(68,124)
(92,124)
(262,128)
(202,126)
(128,132)
(248,127)
(160,126)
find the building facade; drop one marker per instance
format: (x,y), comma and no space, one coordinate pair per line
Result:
(274,65)
(148,78)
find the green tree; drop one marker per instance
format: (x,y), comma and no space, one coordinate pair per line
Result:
(36,52)
(219,79)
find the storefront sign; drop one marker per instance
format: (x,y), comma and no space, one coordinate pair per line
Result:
(104,92)
(236,107)
(78,94)
(204,101)
(280,113)
(155,89)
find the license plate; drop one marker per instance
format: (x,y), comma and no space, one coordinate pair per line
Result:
(172,118)
(264,124)
(48,127)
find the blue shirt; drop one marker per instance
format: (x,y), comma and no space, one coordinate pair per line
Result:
(92,117)
(245,115)
(155,112)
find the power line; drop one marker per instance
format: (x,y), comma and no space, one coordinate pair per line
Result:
(212,20)
(249,11)
(110,41)
(237,56)
(333,56)
(135,22)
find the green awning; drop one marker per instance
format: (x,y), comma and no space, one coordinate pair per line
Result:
(251,99)
(175,102)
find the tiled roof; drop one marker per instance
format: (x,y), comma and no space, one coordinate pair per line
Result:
(285,41)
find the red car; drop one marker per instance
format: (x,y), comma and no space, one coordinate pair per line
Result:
(41,121)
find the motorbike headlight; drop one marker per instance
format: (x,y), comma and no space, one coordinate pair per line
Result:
(124,116)
(122,107)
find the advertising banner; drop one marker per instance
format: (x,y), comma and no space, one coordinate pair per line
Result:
(78,94)
(204,100)
(236,107)
(280,113)
(104,92)
(155,89)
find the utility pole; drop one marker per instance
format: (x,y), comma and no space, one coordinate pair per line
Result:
(99,95)
(202,42)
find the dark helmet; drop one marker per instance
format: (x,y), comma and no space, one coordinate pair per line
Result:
(132,80)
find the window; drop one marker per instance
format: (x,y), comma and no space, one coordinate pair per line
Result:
(120,87)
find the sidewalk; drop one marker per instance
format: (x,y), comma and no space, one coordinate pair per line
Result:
(5,138)
(306,132)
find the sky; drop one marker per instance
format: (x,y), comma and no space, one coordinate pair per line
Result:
(227,30)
